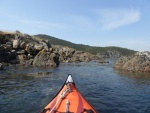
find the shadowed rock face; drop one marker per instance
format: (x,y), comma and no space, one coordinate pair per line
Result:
(23,49)
(139,62)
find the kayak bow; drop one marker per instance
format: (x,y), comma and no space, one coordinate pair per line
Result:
(68,100)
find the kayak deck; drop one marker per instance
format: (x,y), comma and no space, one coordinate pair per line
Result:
(68,100)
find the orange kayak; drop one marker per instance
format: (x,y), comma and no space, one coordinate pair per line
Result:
(69,100)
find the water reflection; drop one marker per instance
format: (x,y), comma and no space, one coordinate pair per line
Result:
(134,75)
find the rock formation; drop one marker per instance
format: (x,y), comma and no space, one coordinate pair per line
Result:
(46,58)
(23,49)
(139,62)
(67,54)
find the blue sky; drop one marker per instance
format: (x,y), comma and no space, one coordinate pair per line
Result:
(123,23)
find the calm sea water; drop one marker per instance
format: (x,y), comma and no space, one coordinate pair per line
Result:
(29,89)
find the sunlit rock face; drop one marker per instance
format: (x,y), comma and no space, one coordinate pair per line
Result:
(139,62)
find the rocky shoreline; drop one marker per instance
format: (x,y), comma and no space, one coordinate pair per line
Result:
(22,49)
(139,62)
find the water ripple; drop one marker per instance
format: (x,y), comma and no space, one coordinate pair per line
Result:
(29,89)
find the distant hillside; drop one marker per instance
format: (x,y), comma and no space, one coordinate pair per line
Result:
(87,48)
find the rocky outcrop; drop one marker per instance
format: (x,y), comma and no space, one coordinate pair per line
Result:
(23,49)
(110,54)
(81,56)
(6,55)
(139,62)
(113,54)
(67,54)
(46,58)
(100,58)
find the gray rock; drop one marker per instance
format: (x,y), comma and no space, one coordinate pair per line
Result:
(14,61)
(21,52)
(46,59)
(23,45)
(38,47)
(23,60)
(6,55)
(12,50)
(76,59)
(16,36)
(48,43)
(8,43)
(80,56)
(30,49)
(139,62)
(16,43)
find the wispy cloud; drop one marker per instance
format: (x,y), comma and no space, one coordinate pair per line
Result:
(80,22)
(104,19)
(110,19)
(36,23)
(101,19)
(44,25)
